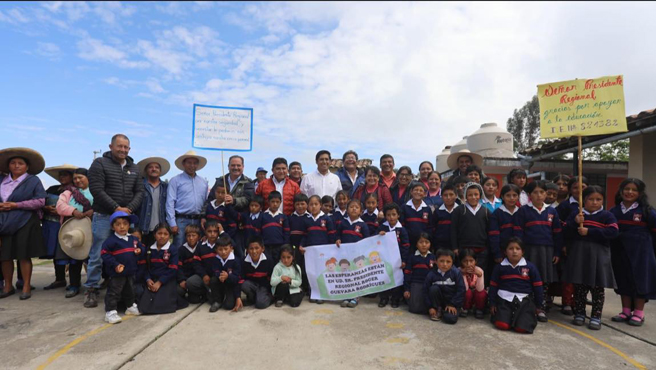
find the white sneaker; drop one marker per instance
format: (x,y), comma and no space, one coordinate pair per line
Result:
(134,311)
(112,317)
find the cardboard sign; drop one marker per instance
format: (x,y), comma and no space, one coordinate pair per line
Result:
(222,128)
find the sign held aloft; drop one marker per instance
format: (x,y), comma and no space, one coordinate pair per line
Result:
(582,107)
(222,128)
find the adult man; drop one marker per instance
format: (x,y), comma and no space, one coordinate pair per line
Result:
(296,172)
(459,161)
(186,195)
(240,187)
(387,175)
(350,175)
(114,183)
(153,206)
(321,182)
(279,181)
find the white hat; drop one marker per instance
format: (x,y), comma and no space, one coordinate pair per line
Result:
(164,165)
(54,171)
(75,237)
(35,160)
(202,161)
(452,160)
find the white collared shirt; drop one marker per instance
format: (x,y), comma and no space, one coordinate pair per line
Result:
(366,212)
(165,247)
(230,257)
(317,184)
(473,210)
(392,228)
(192,250)
(504,209)
(509,296)
(209,245)
(233,183)
(573,200)
(278,212)
(124,237)
(319,215)
(304,214)
(593,213)
(279,185)
(422,205)
(255,216)
(418,253)
(539,211)
(343,213)
(523,198)
(250,260)
(495,201)
(443,207)
(213,203)
(625,210)
(352,222)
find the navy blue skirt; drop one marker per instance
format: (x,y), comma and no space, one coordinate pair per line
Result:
(634,265)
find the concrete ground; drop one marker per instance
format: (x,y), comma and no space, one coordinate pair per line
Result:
(50,331)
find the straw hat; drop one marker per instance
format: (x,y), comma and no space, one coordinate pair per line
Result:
(76,237)
(54,171)
(164,165)
(202,161)
(452,160)
(35,159)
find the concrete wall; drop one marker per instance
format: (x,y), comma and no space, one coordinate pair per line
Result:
(642,159)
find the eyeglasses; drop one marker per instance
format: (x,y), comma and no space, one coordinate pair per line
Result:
(405,175)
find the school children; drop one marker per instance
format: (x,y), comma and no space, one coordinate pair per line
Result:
(515,291)
(339,213)
(327,205)
(489,198)
(286,279)
(415,272)
(469,225)
(459,182)
(442,218)
(225,282)
(538,225)
(224,214)
(416,215)
(297,220)
(251,221)
(256,271)
(206,252)
(351,230)
(370,214)
(552,195)
(275,227)
(190,271)
(392,224)
(120,258)
(517,176)
(444,288)
(502,221)
(561,182)
(588,263)
(474,174)
(475,294)
(632,253)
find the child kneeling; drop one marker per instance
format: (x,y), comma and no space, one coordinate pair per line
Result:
(511,285)
(286,279)
(224,283)
(444,288)
(257,274)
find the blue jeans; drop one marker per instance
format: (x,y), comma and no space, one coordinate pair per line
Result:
(101,231)
(179,238)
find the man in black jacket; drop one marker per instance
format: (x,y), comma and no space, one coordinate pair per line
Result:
(239,186)
(116,185)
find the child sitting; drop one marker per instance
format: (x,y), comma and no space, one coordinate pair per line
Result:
(257,270)
(475,294)
(511,285)
(351,230)
(286,279)
(190,270)
(224,283)
(339,214)
(392,224)
(275,227)
(416,270)
(120,257)
(206,252)
(370,214)
(444,288)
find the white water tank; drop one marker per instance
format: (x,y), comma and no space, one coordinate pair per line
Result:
(460,145)
(440,160)
(491,141)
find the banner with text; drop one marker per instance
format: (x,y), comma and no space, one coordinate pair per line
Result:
(369,266)
(222,128)
(582,107)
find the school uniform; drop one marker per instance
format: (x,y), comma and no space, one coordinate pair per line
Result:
(224,214)
(120,250)
(442,289)
(352,231)
(206,253)
(297,228)
(226,292)
(541,232)
(442,227)
(567,207)
(251,225)
(159,265)
(502,223)
(588,266)
(338,216)
(256,284)
(291,292)
(435,201)
(191,272)
(632,253)
(510,292)
(319,230)
(416,220)
(415,272)
(275,233)
(491,206)
(371,219)
(404,250)
(469,230)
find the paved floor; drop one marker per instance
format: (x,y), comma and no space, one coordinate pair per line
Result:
(49,331)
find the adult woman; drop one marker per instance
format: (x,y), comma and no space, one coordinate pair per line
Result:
(425,169)
(63,174)
(434,194)
(22,197)
(372,185)
(74,202)
(398,190)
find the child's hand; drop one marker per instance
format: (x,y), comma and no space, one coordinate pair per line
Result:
(579,218)
(493,310)
(183,285)
(338,243)
(206,280)
(223,276)
(149,283)
(156,286)
(119,268)
(402,265)
(583,231)
(469,270)
(452,310)
(555,260)
(137,250)
(286,279)
(406,295)
(238,305)
(381,233)
(478,273)
(302,250)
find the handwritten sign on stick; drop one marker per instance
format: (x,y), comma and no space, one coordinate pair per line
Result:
(582,107)
(222,128)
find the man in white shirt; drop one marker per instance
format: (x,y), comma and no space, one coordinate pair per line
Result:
(322,181)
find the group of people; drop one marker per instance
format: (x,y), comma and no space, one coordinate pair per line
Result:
(161,245)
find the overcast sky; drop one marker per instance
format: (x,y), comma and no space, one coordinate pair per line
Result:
(400,78)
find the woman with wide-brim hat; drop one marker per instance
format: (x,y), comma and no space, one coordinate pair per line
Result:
(22,196)
(64,175)
(74,203)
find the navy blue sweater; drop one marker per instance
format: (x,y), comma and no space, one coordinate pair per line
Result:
(338,217)
(233,267)
(602,227)
(519,279)
(539,229)
(319,232)
(226,215)
(206,253)
(189,263)
(501,230)
(442,227)
(275,229)
(297,228)
(416,269)
(352,233)
(416,222)
(116,251)
(371,219)
(401,238)
(250,227)
(451,284)
(260,275)
(163,264)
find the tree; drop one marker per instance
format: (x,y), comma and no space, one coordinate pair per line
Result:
(524,125)
(615,151)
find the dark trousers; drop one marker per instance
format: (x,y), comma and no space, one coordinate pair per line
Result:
(195,291)
(580,296)
(259,295)
(282,294)
(60,271)
(75,274)
(439,300)
(119,288)
(395,293)
(273,251)
(417,303)
(516,315)
(222,292)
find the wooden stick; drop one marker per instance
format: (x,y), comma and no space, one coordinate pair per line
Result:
(223,169)
(580,179)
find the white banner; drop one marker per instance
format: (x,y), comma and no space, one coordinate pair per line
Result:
(222,128)
(369,266)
